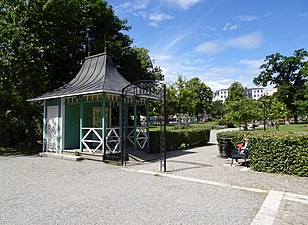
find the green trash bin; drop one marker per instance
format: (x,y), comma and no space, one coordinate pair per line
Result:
(225,147)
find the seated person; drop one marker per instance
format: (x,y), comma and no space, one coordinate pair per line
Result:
(242,149)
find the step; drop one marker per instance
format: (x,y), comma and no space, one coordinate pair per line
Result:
(61,156)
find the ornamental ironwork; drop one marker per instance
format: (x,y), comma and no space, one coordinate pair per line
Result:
(145,89)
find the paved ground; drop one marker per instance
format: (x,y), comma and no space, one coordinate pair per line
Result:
(199,188)
(44,190)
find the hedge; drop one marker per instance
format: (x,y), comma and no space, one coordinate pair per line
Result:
(285,153)
(179,139)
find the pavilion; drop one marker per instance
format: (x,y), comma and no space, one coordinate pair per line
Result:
(85,115)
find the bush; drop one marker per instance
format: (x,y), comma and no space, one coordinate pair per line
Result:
(12,130)
(230,125)
(178,139)
(223,122)
(275,152)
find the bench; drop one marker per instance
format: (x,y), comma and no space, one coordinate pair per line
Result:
(239,154)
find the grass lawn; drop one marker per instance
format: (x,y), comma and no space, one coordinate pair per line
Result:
(207,125)
(301,127)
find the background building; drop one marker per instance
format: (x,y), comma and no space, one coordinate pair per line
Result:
(255,93)
(221,94)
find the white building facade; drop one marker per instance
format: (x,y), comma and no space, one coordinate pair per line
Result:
(254,93)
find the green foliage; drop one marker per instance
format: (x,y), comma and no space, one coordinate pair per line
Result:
(135,64)
(289,74)
(242,110)
(238,108)
(302,105)
(223,122)
(275,152)
(11,129)
(172,100)
(235,92)
(190,97)
(180,138)
(21,149)
(217,109)
(42,44)
(278,109)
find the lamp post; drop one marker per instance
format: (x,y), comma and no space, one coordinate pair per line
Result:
(264,119)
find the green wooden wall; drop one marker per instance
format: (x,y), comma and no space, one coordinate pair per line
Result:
(72,126)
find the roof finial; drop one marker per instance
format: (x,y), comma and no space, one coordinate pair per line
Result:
(89,46)
(105,48)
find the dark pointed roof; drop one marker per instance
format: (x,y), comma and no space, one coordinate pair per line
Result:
(97,74)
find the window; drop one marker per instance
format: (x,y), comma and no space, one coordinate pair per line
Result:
(254,96)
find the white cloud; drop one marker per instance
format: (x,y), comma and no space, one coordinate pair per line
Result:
(134,5)
(184,4)
(246,41)
(210,28)
(220,71)
(156,17)
(230,26)
(216,77)
(176,39)
(161,57)
(209,47)
(252,64)
(218,84)
(303,14)
(249,18)
(139,8)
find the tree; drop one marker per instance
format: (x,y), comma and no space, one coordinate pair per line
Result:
(264,105)
(278,110)
(302,105)
(235,92)
(242,110)
(289,74)
(136,64)
(232,105)
(200,95)
(217,109)
(190,97)
(172,100)
(42,44)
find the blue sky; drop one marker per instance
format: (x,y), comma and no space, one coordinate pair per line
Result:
(219,41)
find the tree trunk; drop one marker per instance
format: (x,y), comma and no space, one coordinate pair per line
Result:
(28,123)
(286,120)
(296,119)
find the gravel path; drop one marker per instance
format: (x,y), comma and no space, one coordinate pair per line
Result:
(37,190)
(43,190)
(205,163)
